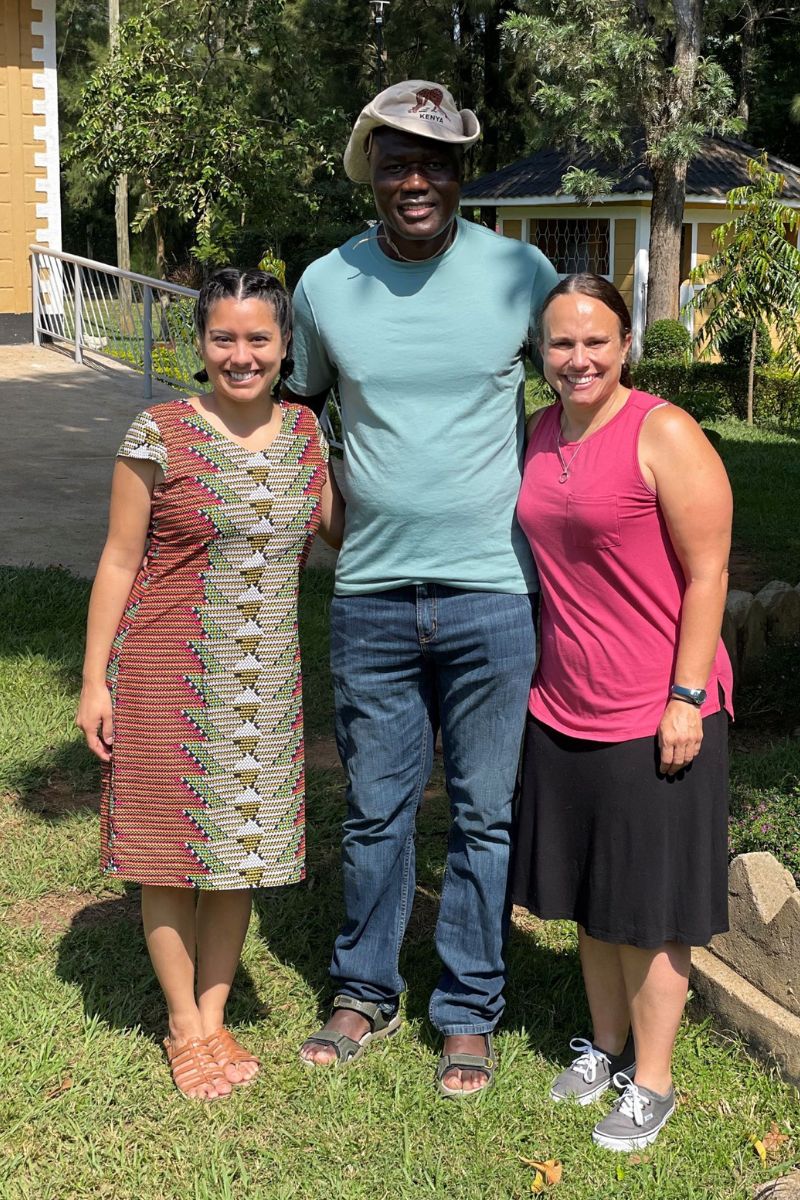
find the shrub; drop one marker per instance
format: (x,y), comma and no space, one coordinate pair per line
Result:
(712,390)
(734,347)
(666,340)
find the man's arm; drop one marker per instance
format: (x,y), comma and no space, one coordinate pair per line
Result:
(314,374)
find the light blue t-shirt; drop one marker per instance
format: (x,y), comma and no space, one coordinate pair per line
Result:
(429,362)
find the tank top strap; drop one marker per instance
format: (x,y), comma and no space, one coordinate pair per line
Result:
(544,433)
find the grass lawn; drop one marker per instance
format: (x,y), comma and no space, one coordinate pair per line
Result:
(86,1105)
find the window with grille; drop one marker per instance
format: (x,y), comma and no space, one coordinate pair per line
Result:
(574,244)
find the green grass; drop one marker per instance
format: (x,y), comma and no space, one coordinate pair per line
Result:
(86,1105)
(764,469)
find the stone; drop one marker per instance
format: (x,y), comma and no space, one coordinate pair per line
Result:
(763,943)
(770,1031)
(737,605)
(753,640)
(731,641)
(781,603)
(785,1188)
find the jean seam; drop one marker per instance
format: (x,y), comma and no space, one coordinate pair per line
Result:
(416,797)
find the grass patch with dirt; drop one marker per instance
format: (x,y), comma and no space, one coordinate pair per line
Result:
(86,1103)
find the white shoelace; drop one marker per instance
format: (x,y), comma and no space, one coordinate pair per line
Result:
(631,1103)
(588,1058)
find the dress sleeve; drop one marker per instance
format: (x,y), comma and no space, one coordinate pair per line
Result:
(144,441)
(313,370)
(323,441)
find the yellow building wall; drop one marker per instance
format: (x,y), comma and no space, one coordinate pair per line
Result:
(18,172)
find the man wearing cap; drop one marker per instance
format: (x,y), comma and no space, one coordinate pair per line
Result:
(423,322)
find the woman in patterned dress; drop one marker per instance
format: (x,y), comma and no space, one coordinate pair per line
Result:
(192,692)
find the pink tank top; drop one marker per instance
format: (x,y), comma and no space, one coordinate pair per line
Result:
(611,584)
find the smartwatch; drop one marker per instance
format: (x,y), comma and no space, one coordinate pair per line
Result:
(695,696)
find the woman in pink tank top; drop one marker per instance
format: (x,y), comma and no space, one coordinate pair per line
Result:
(622,823)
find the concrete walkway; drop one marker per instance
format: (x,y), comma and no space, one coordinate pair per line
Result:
(61,427)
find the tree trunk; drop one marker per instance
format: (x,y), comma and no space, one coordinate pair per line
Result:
(666,220)
(161,253)
(751,370)
(669,175)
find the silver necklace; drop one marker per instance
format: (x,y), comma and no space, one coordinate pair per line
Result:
(565,466)
(448,243)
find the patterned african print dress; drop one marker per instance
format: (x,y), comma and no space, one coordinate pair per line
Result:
(206,788)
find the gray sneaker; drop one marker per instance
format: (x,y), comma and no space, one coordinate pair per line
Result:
(591,1073)
(636,1119)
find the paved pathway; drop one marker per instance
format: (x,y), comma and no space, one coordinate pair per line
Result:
(61,425)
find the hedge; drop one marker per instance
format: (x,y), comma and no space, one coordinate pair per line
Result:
(711,390)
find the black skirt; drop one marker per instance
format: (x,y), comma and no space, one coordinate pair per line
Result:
(601,838)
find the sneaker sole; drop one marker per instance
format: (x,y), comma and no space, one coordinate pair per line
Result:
(626,1145)
(585,1098)
(590,1097)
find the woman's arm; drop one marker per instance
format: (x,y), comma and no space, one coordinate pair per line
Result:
(129,518)
(694,495)
(332,511)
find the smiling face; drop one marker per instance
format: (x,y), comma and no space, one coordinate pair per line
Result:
(242,349)
(416,183)
(583,349)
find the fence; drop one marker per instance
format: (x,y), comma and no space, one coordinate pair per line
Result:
(146,323)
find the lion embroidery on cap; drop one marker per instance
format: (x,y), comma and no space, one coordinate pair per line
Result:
(426,96)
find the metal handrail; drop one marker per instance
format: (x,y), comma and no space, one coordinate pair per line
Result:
(108,311)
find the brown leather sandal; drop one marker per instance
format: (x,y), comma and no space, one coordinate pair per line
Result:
(225,1049)
(193,1065)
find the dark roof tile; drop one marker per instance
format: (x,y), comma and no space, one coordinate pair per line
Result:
(720,166)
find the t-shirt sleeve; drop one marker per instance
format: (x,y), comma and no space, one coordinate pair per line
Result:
(313,370)
(144,441)
(544,280)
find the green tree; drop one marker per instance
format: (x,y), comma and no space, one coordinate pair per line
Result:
(614,74)
(755,275)
(187,109)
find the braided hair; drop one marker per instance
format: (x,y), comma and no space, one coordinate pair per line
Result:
(230,283)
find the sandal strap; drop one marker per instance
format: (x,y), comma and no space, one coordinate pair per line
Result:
(345,1047)
(365,1008)
(192,1064)
(469,1062)
(223,1043)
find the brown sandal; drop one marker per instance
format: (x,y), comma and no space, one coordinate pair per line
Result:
(193,1065)
(225,1049)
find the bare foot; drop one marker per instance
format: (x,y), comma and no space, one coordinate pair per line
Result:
(345,1021)
(470,1079)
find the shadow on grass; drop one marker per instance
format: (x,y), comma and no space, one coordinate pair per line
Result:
(104,953)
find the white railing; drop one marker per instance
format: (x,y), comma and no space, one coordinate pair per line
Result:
(143,322)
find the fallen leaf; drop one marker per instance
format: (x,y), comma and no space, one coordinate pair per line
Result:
(620,1173)
(548,1173)
(636,1159)
(773,1140)
(60,1088)
(758,1146)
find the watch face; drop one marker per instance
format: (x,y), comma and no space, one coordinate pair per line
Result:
(694,695)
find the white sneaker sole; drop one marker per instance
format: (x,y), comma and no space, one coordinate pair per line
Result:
(585,1098)
(626,1145)
(589,1097)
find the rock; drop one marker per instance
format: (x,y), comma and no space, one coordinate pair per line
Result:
(771,1032)
(785,1188)
(737,606)
(752,640)
(763,943)
(731,641)
(782,605)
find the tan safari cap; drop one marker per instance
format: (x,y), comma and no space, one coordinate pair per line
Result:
(414,106)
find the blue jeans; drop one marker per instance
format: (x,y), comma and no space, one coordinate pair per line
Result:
(400,660)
